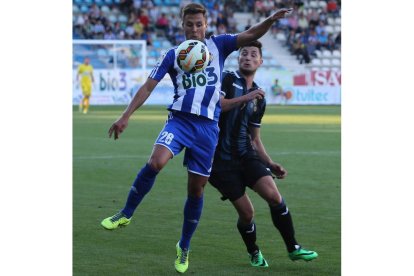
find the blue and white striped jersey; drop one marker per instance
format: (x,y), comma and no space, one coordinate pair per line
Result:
(198,93)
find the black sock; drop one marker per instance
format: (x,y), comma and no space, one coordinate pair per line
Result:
(283,222)
(248,233)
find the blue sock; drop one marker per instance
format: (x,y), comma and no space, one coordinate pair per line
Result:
(141,186)
(192,213)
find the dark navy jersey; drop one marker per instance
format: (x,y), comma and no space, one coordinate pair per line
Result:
(234,139)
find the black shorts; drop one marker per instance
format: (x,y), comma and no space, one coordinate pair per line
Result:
(232,178)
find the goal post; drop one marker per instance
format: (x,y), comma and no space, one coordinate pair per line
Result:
(119,67)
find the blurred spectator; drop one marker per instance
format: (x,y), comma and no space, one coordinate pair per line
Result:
(138,28)
(332,8)
(109,34)
(338,41)
(221,19)
(320,28)
(312,43)
(179,37)
(293,22)
(303,22)
(221,29)
(144,19)
(323,40)
(162,23)
(330,45)
(268,7)
(249,24)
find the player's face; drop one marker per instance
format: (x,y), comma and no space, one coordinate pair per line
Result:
(195,26)
(249,60)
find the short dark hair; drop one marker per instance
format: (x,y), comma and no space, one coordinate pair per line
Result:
(193,8)
(254,43)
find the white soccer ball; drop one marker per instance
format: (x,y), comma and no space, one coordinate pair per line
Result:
(192,56)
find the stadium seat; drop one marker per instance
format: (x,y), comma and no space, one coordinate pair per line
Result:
(274,63)
(281,37)
(337,28)
(324,69)
(326,62)
(313,4)
(326,54)
(331,21)
(122,18)
(336,62)
(329,29)
(322,4)
(99,2)
(75,9)
(316,62)
(336,69)
(336,54)
(112,18)
(84,9)
(166,44)
(151,62)
(78,2)
(318,53)
(105,9)
(338,21)
(88,2)
(157,44)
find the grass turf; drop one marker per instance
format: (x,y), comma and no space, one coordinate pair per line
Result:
(305,139)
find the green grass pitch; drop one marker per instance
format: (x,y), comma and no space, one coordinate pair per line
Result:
(306,140)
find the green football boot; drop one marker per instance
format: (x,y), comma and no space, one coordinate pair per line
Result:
(116,220)
(258,260)
(303,254)
(181,262)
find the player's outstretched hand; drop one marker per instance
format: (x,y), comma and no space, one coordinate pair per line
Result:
(281,13)
(255,94)
(278,170)
(118,127)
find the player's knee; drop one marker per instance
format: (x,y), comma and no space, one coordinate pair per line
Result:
(274,199)
(157,163)
(246,216)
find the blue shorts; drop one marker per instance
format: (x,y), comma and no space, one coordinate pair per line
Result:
(198,134)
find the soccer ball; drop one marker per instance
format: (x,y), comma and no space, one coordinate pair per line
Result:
(192,56)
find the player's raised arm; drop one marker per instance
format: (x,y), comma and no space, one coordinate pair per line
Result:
(140,97)
(258,30)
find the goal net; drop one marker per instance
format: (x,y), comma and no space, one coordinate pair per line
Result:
(120,66)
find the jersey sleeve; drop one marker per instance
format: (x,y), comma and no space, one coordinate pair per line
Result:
(226,86)
(256,119)
(164,64)
(227,43)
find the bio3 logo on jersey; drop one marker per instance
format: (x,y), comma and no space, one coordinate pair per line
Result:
(198,80)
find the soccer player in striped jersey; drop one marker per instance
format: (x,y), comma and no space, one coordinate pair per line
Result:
(192,121)
(241,159)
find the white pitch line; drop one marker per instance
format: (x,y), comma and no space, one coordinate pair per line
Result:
(322,153)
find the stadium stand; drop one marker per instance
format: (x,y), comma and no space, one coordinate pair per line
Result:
(312,33)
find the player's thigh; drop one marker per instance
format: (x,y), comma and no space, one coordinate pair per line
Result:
(159,157)
(173,136)
(196,183)
(199,156)
(244,208)
(267,189)
(229,183)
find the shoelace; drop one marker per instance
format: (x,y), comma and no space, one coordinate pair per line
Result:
(256,258)
(116,217)
(184,254)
